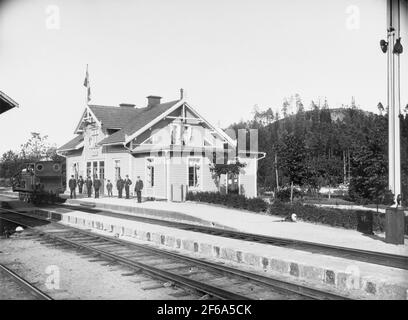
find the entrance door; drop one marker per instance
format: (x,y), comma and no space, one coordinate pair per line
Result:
(94,169)
(97,169)
(88,170)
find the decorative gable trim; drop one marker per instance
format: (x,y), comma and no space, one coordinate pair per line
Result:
(129,138)
(222,134)
(87,113)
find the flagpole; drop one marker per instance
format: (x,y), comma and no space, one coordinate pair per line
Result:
(87,84)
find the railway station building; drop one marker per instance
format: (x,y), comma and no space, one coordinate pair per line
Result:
(169,145)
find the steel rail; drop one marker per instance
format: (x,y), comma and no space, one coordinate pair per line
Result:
(24,284)
(165,275)
(275,283)
(380,258)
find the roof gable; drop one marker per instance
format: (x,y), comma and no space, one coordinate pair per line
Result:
(146,116)
(131,122)
(115,117)
(73,144)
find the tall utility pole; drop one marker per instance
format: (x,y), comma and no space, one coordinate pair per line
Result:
(393,94)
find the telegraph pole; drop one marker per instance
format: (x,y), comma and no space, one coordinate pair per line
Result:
(393,47)
(394,216)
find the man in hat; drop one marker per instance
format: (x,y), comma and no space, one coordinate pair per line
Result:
(80,184)
(128,182)
(119,186)
(97,184)
(109,187)
(72,186)
(88,184)
(138,189)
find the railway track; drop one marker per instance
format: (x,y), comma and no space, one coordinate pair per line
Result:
(21,283)
(380,258)
(216,281)
(374,257)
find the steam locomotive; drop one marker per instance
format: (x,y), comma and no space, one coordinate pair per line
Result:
(39,182)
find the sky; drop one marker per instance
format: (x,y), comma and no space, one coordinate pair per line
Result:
(227,55)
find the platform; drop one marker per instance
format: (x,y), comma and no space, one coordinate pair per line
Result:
(351,278)
(245,221)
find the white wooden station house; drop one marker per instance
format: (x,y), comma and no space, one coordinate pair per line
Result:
(169,145)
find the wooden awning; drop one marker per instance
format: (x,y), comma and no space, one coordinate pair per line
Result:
(6,103)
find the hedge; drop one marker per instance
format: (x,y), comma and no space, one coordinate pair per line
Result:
(329,216)
(230,200)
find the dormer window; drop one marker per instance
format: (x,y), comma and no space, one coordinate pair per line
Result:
(111,131)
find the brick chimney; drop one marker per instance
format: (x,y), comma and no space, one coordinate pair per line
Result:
(153,100)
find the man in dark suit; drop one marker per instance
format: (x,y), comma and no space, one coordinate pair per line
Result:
(72,186)
(138,189)
(128,182)
(109,187)
(80,184)
(88,184)
(97,184)
(119,186)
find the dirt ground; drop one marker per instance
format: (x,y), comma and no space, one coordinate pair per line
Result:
(64,273)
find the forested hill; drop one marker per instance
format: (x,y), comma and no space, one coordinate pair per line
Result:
(325,146)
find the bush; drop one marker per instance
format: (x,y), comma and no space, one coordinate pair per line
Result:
(284,194)
(330,216)
(230,200)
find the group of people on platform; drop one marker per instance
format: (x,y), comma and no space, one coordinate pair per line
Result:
(96,184)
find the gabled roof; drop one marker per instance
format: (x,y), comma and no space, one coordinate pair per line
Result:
(145,116)
(73,144)
(6,103)
(130,122)
(115,117)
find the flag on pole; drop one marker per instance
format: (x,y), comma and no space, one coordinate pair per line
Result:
(87,85)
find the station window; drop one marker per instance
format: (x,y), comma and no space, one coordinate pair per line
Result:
(75,170)
(117,170)
(94,169)
(175,134)
(88,169)
(150,172)
(194,172)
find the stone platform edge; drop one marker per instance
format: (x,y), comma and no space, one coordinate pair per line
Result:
(342,282)
(170,215)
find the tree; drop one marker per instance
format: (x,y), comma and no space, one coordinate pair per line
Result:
(330,170)
(323,146)
(380,108)
(285,107)
(292,155)
(229,169)
(36,148)
(9,164)
(51,154)
(369,180)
